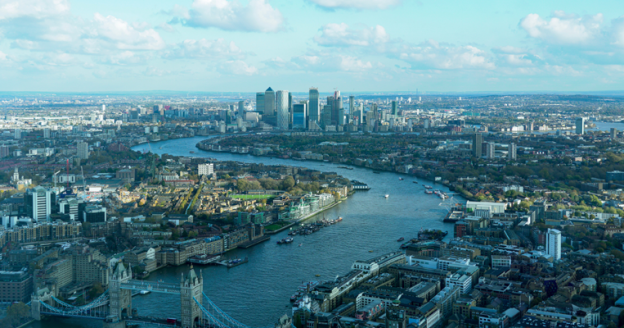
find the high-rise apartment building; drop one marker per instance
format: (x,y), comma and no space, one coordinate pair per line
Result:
(314,111)
(260,102)
(351,105)
(83,150)
(580,125)
(281,105)
(299,116)
(4,151)
(46,133)
(491,150)
(269,102)
(38,203)
(512,152)
(614,132)
(17,134)
(205,169)
(553,243)
(477,140)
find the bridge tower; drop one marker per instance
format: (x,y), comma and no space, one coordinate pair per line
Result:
(120,299)
(191,287)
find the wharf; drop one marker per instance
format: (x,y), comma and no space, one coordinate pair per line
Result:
(230,264)
(304,218)
(254,242)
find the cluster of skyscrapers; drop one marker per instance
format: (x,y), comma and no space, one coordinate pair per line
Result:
(277,109)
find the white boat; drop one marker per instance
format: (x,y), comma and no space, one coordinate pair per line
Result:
(145,292)
(387,196)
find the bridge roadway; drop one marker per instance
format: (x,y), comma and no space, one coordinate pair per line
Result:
(139,285)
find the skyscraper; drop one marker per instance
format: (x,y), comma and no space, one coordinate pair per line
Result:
(327,112)
(260,102)
(314,111)
(394,108)
(38,202)
(512,153)
(241,108)
(361,114)
(553,243)
(477,140)
(351,105)
(17,134)
(46,133)
(83,150)
(337,108)
(299,117)
(269,102)
(614,132)
(580,125)
(282,109)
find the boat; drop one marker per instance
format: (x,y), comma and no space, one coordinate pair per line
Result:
(300,245)
(401,239)
(144,292)
(416,182)
(318,275)
(376,172)
(339,219)
(192,152)
(286,240)
(429,192)
(428,187)
(400,179)
(387,196)
(370,251)
(404,245)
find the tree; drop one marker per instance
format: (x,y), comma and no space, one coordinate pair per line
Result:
(288,183)
(97,290)
(17,312)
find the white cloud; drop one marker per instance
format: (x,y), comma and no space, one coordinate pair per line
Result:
(617,31)
(126,58)
(204,48)
(357,4)
(434,55)
(127,36)
(256,16)
(342,35)
(3,56)
(329,62)
(563,29)
(32,8)
(239,67)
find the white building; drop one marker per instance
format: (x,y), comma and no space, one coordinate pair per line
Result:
(495,208)
(491,150)
(83,150)
(373,265)
(18,134)
(46,133)
(38,203)
(205,169)
(553,243)
(512,152)
(464,282)
(281,106)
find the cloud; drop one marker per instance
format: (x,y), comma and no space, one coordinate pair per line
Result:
(36,9)
(127,36)
(341,35)
(356,4)
(563,29)
(434,55)
(617,31)
(329,62)
(256,16)
(239,67)
(203,49)
(126,58)
(3,56)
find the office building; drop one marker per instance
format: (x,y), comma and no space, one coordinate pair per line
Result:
(314,111)
(491,150)
(477,140)
(241,108)
(299,116)
(290,109)
(205,169)
(281,105)
(94,214)
(38,203)
(337,108)
(351,105)
(512,152)
(269,102)
(327,109)
(17,134)
(46,133)
(580,125)
(553,243)
(4,151)
(83,150)
(615,176)
(15,286)
(395,109)
(260,102)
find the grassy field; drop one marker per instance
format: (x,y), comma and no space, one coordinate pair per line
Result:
(273,227)
(246,197)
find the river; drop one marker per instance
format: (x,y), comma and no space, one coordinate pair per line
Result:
(257,293)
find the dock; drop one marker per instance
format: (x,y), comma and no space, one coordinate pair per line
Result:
(254,242)
(232,263)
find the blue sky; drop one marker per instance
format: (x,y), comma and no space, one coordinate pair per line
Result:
(351,45)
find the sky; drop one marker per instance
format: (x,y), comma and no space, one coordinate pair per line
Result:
(349,45)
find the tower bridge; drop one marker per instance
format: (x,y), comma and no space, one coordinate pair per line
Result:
(114,306)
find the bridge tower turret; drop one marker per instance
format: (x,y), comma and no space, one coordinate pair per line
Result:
(120,299)
(191,289)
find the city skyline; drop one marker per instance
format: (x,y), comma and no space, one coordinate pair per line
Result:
(354,46)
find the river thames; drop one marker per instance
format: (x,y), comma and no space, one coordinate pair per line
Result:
(257,293)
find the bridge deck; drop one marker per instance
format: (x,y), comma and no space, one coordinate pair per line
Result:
(151,286)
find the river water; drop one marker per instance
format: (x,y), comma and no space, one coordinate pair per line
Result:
(257,293)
